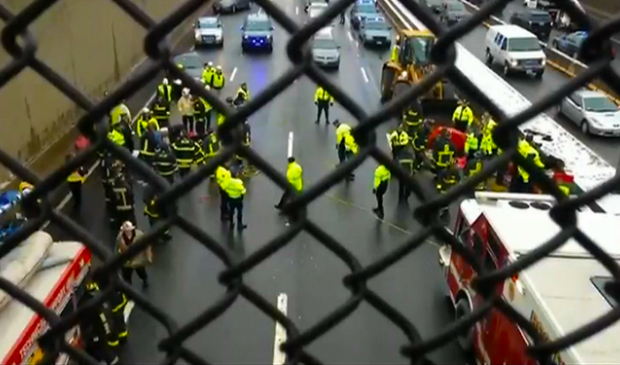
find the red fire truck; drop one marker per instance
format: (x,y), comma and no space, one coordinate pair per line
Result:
(558,294)
(54,283)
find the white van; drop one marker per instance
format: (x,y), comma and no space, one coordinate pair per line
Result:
(515,49)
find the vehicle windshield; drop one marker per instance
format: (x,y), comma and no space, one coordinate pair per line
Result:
(599,104)
(366,9)
(189,62)
(540,17)
(324,44)
(421,48)
(208,24)
(523,44)
(258,26)
(376,25)
(456,6)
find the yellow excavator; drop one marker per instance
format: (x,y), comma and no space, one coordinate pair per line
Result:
(411,65)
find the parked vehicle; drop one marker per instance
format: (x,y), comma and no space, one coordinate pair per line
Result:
(515,49)
(325,50)
(231,6)
(570,44)
(361,10)
(208,31)
(536,21)
(375,31)
(593,112)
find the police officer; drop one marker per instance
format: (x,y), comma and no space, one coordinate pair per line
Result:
(153,213)
(463,116)
(202,114)
(406,161)
(242,96)
(323,100)
(164,90)
(223,177)
(122,200)
(295,176)
(443,151)
(143,121)
(382,180)
(472,143)
(96,328)
(342,129)
(399,139)
(161,112)
(187,153)
(218,80)
(235,191)
(75,181)
(351,150)
(148,143)
(164,163)
(207,73)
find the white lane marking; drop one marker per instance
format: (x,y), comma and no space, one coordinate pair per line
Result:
(297,10)
(279,357)
(232,75)
(364,74)
(350,36)
(290,144)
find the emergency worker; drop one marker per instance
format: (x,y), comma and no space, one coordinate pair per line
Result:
(223,177)
(124,126)
(399,139)
(202,114)
(218,80)
(187,153)
(75,181)
(342,129)
(463,116)
(30,209)
(148,143)
(116,136)
(118,301)
(235,190)
(242,96)
(294,175)
(351,149)
(96,328)
(406,161)
(472,143)
(186,108)
(323,100)
(143,121)
(211,145)
(153,213)
(395,50)
(207,73)
(412,121)
(447,178)
(419,142)
(522,182)
(443,150)
(118,111)
(382,180)
(164,163)
(164,90)
(161,112)
(122,200)
(473,167)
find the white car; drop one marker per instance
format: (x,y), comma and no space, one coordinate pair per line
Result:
(315,9)
(593,112)
(208,31)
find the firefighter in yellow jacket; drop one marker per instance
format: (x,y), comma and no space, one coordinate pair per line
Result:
(75,181)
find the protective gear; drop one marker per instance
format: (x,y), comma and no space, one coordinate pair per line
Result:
(148,144)
(153,212)
(242,95)
(294,175)
(472,144)
(395,53)
(235,191)
(187,153)
(406,161)
(447,178)
(412,120)
(96,328)
(118,301)
(122,202)
(211,145)
(462,117)
(202,115)
(165,91)
(381,182)
(165,164)
(399,139)
(207,73)
(117,111)
(218,79)
(342,130)
(75,181)
(161,112)
(323,100)
(116,137)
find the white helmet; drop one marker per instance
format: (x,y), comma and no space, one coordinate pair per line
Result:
(207,87)
(185,91)
(210,64)
(219,68)
(146,110)
(165,81)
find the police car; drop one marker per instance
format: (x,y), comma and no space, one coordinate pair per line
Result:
(375,31)
(257,33)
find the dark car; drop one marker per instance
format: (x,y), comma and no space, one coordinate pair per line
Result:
(230,6)
(191,63)
(362,10)
(452,12)
(570,44)
(536,21)
(257,33)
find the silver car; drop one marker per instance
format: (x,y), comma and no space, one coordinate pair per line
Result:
(593,112)
(208,31)
(325,51)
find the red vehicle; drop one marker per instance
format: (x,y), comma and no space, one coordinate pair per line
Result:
(457,137)
(559,294)
(53,282)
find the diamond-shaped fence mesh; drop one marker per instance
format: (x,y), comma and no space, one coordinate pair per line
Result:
(20,44)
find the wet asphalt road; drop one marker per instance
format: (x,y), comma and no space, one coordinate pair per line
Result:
(184,273)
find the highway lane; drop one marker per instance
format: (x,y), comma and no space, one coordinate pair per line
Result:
(184,274)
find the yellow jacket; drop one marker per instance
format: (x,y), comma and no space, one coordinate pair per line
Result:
(222,177)
(382,174)
(235,189)
(322,95)
(341,131)
(294,175)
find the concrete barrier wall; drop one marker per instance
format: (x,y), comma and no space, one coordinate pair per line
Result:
(94,45)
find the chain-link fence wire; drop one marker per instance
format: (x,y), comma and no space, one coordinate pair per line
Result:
(20,44)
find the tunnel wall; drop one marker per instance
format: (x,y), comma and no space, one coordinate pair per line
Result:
(94,45)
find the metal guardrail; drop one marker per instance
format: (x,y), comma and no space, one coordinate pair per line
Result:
(556,59)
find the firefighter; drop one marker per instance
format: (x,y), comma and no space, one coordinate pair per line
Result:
(382,180)
(164,90)
(148,143)
(295,176)
(412,120)
(419,142)
(122,200)
(472,143)
(395,50)
(161,112)
(118,111)
(124,126)
(118,301)
(443,150)
(446,179)
(153,213)
(323,100)
(406,161)
(75,181)
(399,139)
(187,152)
(473,167)
(96,328)
(211,145)
(202,114)
(145,118)
(242,96)
(164,163)
(207,73)
(116,136)
(342,129)
(235,191)
(223,176)
(106,179)
(30,209)
(218,80)
(463,116)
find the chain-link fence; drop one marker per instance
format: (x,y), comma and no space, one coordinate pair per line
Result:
(24,54)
